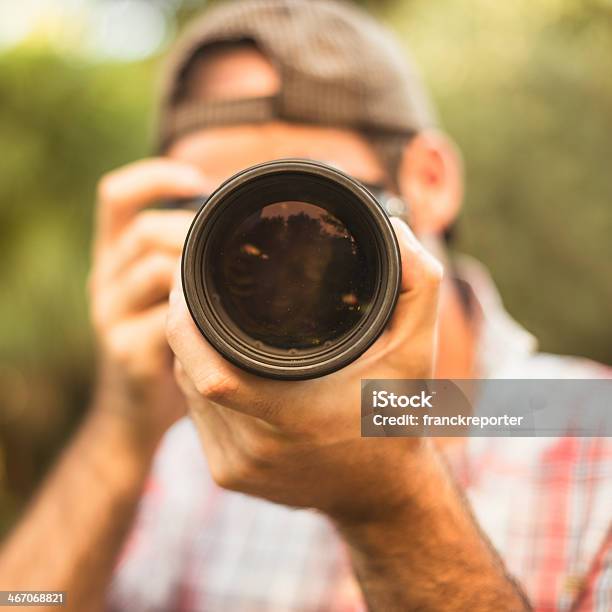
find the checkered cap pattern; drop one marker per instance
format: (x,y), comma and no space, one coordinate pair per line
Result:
(337,65)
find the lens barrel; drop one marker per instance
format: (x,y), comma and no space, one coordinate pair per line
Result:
(291,269)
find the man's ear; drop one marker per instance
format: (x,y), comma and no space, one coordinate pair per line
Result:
(430,178)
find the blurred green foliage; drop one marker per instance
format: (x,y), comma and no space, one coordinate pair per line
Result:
(525,89)
(63,123)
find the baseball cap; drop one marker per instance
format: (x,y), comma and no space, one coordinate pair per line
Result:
(337,65)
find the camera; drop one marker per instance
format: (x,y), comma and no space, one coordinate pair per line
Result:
(291,269)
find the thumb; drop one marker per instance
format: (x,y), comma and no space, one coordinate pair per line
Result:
(417,305)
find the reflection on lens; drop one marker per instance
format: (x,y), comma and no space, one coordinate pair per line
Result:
(292,276)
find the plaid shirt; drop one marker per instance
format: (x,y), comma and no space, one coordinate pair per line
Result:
(545,503)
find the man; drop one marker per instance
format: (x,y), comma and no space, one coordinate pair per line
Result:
(250,82)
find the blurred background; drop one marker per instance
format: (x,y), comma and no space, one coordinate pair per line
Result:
(524,87)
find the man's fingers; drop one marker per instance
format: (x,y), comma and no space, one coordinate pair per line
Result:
(123,192)
(147,332)
(417,304)
(145,284)
(420,269)
(202,364)
(215,378)
(148,232)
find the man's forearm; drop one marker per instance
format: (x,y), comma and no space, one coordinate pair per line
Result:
(70,537)
(430,554)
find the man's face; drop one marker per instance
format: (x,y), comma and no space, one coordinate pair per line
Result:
(222,151)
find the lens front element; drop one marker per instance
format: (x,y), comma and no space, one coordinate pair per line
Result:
(292,276)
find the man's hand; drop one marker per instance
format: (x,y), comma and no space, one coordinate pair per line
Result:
(412,539)
(299,443)
(72,533)
(134,257)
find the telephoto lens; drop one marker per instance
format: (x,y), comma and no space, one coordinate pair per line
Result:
(291,269)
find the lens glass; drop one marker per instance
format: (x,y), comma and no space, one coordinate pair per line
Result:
(292,276)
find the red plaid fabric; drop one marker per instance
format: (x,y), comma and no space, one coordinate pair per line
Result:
(545,503)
